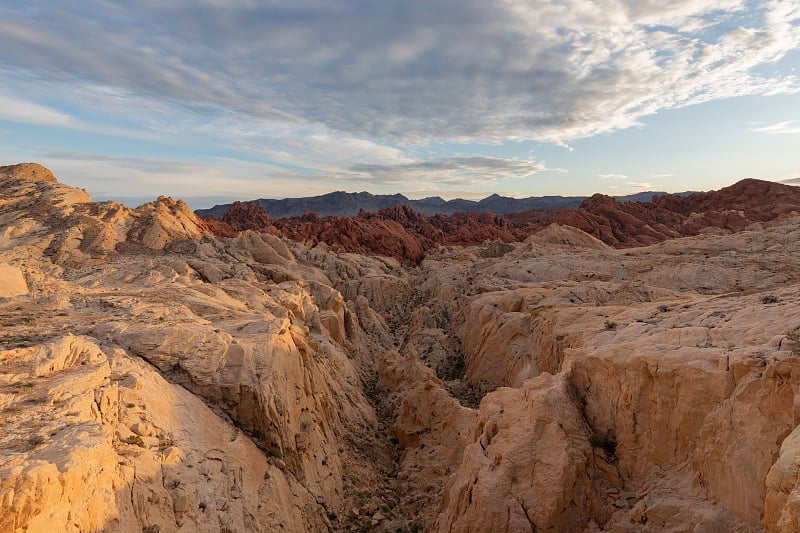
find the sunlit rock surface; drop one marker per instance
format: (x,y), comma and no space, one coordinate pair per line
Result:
(155,377)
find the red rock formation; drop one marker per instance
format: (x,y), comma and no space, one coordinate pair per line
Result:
(368,233)
(402,233)
(475,228)
(625,224)
(413,222)
(758,200)
(219,227)
(622,224)
(247,215)
(397,232)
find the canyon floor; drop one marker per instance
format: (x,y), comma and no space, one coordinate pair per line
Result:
(157,378)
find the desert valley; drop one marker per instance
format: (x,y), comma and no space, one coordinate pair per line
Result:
(621,367)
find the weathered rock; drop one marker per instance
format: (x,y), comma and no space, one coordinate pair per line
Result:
(28,172)
(568,236)
(527,466)
(12,281)
(156,377)
(247,215)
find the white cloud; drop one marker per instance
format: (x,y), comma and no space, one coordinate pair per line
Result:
(788,126)
(21,110)
(112,177)
(129,177)
(453,171)
(640,184)
(412,72)
(349,90)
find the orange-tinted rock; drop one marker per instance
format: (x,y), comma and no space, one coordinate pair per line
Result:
(758,200)
(622,224)
(28,171)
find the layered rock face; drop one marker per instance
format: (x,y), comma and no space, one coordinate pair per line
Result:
(156,377)
(639,390)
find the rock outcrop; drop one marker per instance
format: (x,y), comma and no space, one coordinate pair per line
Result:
(242,216)
(28,172)
(160,379)
(96,440)
(12,281)
(43,217)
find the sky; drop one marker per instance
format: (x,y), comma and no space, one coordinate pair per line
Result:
(215,100)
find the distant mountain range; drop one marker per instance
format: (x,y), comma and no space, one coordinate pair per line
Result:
(346,204)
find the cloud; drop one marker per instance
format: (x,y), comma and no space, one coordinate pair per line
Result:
(640,184)
(131,177)
(106,176)
(788,126)
(401,72)
(451,171)
(612,176)
(21,110)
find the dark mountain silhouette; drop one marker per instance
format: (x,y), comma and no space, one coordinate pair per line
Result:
(347,204)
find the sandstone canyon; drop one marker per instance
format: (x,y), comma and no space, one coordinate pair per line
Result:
(620,367)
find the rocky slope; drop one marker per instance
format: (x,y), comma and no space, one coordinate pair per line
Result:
(155,377)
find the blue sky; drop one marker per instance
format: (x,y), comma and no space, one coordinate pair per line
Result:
(212,100)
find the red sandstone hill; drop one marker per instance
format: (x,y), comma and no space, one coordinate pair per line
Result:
(402,233)
(398,231)
(247,215)
(732,208)
(758,200)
